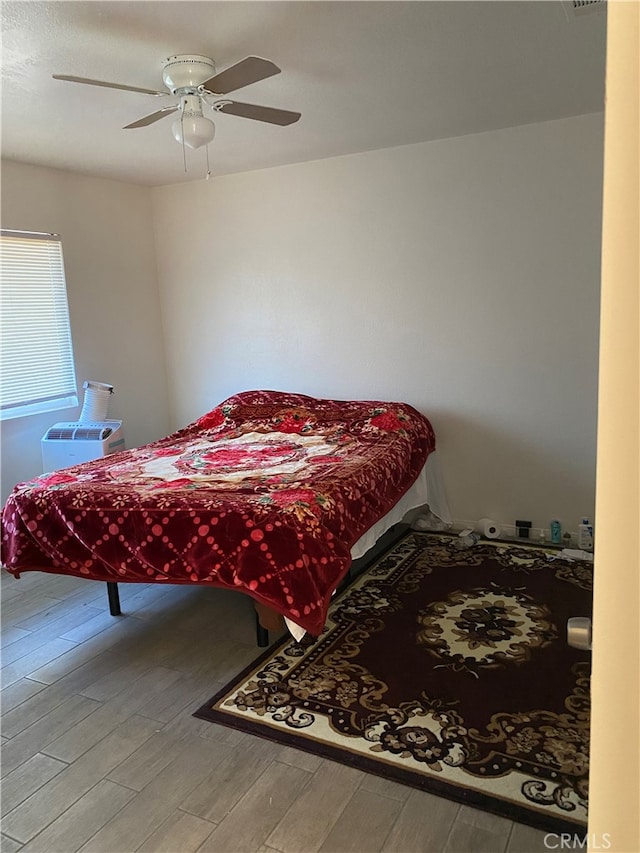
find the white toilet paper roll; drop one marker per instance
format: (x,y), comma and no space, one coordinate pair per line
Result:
(489,528)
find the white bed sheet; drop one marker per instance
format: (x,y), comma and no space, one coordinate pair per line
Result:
(428,489)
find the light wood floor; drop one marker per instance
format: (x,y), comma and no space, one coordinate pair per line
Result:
(100,751)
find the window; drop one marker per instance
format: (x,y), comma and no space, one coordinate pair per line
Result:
(36,352)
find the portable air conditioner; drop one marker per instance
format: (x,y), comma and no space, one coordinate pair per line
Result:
(69,443)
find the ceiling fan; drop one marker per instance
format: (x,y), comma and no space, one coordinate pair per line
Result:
(193,80)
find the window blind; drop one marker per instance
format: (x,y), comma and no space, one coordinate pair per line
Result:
(36,370)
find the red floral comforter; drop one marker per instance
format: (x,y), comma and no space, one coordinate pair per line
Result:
(266,493)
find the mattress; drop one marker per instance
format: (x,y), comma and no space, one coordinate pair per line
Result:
(269,493)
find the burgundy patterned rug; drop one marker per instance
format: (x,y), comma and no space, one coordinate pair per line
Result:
(444,669)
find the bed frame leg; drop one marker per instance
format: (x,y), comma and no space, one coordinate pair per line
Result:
(262,635)
(114,598)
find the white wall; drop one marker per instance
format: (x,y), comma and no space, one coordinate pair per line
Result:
(108,247)
(460,275)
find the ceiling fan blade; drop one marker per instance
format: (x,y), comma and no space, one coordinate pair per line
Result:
(145,120)
(257,113)
(72,79)
(249,70)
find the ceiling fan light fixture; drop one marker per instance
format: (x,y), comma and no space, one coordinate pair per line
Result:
(189,77)
(196,130)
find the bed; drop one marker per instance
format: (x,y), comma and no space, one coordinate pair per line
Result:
(270,493)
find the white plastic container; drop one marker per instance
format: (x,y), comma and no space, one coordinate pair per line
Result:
(96,401)
(585,535)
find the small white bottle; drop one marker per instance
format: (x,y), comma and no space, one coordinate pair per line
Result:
(585,535)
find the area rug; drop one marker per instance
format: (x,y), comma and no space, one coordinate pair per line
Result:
(444,669)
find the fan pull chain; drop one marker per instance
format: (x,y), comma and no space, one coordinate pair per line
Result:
(208,168)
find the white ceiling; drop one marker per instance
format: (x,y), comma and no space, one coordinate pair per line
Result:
(365,75)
